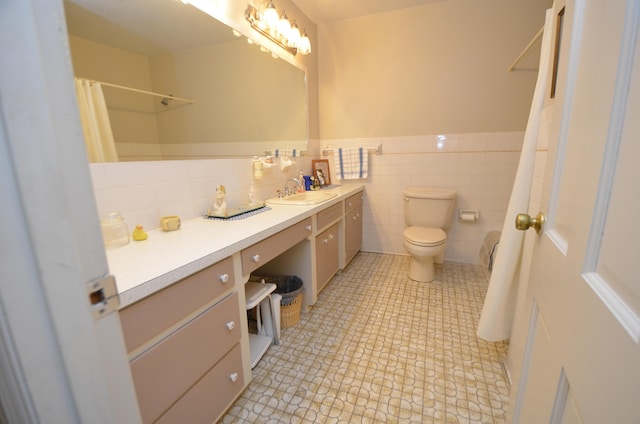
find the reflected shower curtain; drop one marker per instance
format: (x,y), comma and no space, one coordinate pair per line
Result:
(96,127)
(498,309)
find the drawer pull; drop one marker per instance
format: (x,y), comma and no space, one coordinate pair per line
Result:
(233,377)
(231,325)
(325,241)
(255,258)
(308,227)
(224,278)
(350,204)
(354,217)
(330,236)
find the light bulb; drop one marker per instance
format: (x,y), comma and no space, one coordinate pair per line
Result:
(270,15)
(294,36)
(304,46)
(284,26)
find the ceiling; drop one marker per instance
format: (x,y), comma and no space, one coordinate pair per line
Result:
(324,11)
(143,26)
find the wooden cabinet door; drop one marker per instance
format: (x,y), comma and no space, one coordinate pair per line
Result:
(353,233)
(327,255)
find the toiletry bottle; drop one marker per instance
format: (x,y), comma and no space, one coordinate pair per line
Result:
(252,195)
(307,182)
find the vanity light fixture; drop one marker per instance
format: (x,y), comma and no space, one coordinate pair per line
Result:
(278,28)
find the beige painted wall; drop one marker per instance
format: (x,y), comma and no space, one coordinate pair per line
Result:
(132,115)
(232,13)
(438,68)
(240,95)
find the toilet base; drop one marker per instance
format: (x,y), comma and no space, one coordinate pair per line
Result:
(422,269)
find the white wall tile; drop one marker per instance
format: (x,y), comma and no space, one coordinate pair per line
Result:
(483,178)
(481,167)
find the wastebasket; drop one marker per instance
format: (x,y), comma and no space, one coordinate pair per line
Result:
(290,288)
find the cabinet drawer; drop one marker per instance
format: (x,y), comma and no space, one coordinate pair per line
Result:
(262,252)
(151,316)
(208,399)
(329,215)
(353,201)
(164,373)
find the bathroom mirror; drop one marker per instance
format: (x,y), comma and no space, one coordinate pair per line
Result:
(201,91)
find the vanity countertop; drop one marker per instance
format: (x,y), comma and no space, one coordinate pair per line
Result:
(144,267)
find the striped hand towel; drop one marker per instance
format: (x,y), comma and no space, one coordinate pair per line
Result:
(351,163)
(293,153)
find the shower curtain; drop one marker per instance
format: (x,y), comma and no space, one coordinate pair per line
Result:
(96,127)
(498,309)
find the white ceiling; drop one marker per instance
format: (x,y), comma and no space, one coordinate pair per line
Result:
(324,11)
(143,26)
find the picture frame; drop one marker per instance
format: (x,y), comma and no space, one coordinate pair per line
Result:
(320,170)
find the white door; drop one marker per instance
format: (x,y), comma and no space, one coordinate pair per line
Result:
(57,364)
(582,355)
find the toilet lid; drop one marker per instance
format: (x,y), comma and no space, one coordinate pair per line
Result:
(425,236)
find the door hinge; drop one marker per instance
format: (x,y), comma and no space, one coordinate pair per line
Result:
(103,296)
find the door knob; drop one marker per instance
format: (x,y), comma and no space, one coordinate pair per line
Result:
(524,222)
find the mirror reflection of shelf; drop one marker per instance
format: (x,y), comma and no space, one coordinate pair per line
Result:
(166,99)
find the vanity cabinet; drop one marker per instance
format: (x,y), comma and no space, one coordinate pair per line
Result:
(353,226)
(188,342)
(153,315)
(259,254)
(211,396)
(328,216)
(183,340)
(327,256)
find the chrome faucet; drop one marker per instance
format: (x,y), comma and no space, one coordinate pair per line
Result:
(287,192)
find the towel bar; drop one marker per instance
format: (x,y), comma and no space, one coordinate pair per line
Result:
(377,150)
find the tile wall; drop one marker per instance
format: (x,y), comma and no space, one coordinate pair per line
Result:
(145,191)
(480,167)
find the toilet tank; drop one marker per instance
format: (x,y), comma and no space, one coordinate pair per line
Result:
(429,207)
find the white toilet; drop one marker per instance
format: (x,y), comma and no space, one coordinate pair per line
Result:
(428,213)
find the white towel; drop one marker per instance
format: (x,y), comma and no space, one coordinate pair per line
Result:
(351,163)
(285,163)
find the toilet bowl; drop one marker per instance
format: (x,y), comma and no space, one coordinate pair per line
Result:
(428,214)
(423,244)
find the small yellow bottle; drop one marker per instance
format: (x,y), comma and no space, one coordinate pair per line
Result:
(139,234)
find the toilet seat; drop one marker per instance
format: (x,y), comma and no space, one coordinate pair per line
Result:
(425,236)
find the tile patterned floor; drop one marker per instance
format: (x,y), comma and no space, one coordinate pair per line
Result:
(380,348)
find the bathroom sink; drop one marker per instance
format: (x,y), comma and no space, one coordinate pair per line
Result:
(303,199)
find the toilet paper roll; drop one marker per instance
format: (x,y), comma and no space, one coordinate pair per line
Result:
(468,216)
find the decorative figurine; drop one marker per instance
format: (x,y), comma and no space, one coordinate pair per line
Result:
(220,204)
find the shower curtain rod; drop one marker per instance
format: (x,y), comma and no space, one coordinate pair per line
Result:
(526,49)
(164,96)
